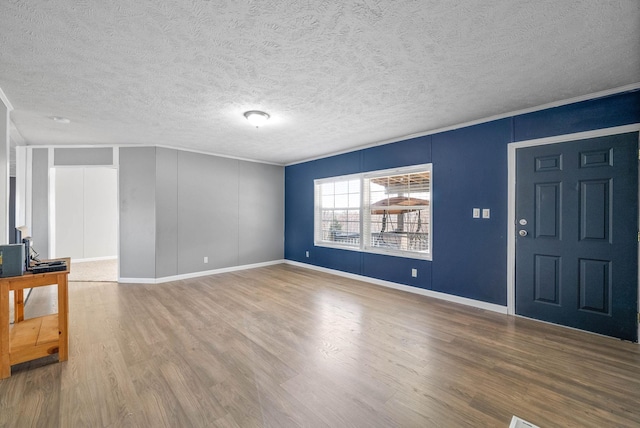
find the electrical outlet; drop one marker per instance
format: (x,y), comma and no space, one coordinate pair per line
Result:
(414,273)
(486,213)
(307,254)
(476,213)
(206,259)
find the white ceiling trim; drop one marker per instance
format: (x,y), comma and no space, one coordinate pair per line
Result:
(219,155)
(599,94)
(5,100)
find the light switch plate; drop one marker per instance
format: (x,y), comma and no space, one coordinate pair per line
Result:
(476,213)
(486,213)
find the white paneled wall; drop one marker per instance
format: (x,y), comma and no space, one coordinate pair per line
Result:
(86,213)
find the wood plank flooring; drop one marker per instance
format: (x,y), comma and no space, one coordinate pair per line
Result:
(283,346)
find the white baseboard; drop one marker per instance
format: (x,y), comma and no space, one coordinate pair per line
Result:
(429,293)
(197,274)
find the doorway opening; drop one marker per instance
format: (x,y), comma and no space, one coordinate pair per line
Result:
(84,221)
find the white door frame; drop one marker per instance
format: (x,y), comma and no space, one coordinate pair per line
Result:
(52,195)
(511,201)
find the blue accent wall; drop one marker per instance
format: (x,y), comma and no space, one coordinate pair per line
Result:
(469,171)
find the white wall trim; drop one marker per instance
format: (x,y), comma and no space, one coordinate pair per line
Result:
(415,290)
(201,152)
(21,183)
(196,274)
(511,198)
(15,135)
(51,203)
(5,100)
(5,143)
(28,190)
(116,164)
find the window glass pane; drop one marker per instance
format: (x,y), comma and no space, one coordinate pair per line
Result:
(342,201)
(353,227)
(340,212)
(399,210)
(340,215)
(342,187)
(407,231)
(377,197)
(377,192)
(326,188)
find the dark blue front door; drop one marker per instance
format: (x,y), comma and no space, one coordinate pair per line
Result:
(577,234)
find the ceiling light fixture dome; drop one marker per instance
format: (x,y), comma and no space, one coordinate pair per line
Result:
(256,118)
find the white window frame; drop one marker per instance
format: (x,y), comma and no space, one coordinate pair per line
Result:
(317,235)
(365,213)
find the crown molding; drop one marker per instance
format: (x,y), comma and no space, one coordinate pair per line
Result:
(592,96)
(5,100)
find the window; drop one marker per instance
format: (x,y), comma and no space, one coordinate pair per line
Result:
(382,212)
(338,211)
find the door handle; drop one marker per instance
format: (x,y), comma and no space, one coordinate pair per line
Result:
(522,233)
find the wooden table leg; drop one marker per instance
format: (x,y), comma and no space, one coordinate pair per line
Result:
(63,315)
(18,304)
(5,366)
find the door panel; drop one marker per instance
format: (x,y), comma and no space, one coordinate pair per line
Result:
(548,215)
(595,210)
(547,279)
(577,228)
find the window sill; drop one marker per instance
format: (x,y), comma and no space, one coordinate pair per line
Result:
(381,251)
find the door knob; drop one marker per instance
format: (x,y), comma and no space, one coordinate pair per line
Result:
(522,233)
(523,222)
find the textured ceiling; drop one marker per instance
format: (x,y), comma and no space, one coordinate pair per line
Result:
(334,75)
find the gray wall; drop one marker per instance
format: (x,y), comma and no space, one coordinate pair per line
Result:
(198,206)
(40,201)
(83,156)
(137,201)
(166,212)
(261,205)
(207,212)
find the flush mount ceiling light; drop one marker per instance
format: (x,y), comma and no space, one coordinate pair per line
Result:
(256,118)
(59,119)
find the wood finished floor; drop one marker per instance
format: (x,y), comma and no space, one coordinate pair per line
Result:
(283,346)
